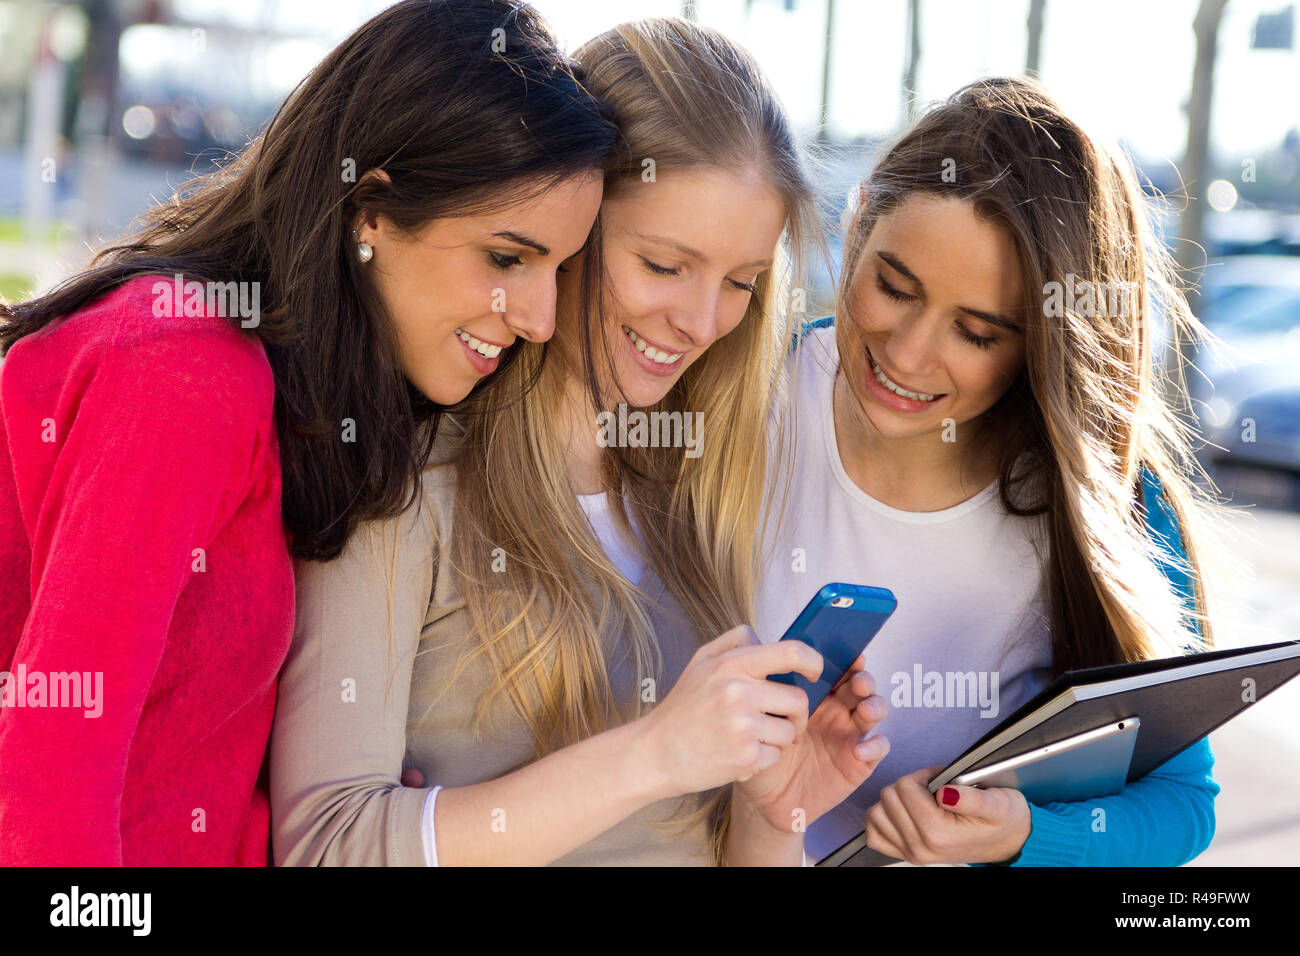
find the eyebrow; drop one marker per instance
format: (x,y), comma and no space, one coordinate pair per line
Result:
(695,253)
(992,318)
(524,241)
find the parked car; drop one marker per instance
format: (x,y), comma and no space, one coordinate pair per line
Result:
(1247,391)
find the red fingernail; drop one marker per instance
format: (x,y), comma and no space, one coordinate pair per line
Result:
(950,797)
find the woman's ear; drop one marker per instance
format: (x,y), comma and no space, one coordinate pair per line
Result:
(367,220)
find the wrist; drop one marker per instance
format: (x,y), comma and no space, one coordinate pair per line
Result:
(1019,848)
(746,809)
(642,759)
(754,840)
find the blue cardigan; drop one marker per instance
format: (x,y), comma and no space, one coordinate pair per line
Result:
(1163,819)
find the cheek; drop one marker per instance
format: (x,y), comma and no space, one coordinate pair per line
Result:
(727,323)
(733,315)
(472,288)
(442,294)
(862,293)
(430,286)
(986,378)
(459,280)
(856,304)
(1012,363)
(637,295)
(872,310)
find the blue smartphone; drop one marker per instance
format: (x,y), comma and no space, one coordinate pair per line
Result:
(839,622)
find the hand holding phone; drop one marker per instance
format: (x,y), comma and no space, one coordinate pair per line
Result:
(838,623)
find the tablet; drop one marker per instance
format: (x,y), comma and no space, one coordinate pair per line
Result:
(1180,700)
(1091,764)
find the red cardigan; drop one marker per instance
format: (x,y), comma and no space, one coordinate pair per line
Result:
(128,442)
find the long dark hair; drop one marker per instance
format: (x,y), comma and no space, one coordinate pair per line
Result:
(467,105)
(1088,411)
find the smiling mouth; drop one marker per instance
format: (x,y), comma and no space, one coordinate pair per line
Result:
(658,356)
(897,389)
(486,349)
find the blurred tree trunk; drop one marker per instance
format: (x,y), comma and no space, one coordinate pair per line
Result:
(44,120)
(912,63)
(1191,232)
(98,108)
(1034,37)
(823,126)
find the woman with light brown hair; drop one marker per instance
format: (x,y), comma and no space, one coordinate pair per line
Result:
(540,636)
(983,431)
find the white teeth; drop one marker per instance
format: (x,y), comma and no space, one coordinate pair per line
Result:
(652,353)
(484,349)
(883,380)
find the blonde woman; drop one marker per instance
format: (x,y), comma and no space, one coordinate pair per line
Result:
(982,431)
(540,637)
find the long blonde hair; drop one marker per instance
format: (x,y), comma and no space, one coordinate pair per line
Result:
(1090,408)
(687,97)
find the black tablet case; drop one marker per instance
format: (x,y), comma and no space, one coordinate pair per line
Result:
(1174,714)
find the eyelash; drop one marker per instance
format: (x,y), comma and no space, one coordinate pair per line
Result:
(979,341)
(890,291)
(658,269)
(665,271)
(504,262)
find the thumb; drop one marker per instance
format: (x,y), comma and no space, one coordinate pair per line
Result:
(412,777)
(963,801)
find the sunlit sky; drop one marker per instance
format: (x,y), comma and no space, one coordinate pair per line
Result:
(1121,68)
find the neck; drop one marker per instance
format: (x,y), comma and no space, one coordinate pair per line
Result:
(915,473)
(577,419)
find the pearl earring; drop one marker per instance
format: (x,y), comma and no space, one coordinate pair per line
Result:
(364,252)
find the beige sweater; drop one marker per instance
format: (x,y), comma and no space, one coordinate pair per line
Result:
(358,703)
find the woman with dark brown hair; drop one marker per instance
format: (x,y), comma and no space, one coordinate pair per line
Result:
(255,371)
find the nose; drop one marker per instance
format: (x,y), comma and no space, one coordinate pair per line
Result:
(911,344)
(696,320)
(530,314)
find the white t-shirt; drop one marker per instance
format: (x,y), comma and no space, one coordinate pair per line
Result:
(969,641)
(624,553)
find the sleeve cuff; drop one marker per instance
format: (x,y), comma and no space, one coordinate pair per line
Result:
(428,834)
(1054,840)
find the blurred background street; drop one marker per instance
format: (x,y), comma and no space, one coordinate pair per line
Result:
(1257,755)
(109,105)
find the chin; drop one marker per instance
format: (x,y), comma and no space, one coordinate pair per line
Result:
(892,425)
(636,389)
(647,395)
(447,393)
